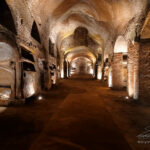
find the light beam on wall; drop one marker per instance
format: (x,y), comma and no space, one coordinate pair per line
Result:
(91,71)
(110,78)
(99,73)
(62,73)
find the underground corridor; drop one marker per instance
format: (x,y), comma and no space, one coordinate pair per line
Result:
(75,75)
(77,114)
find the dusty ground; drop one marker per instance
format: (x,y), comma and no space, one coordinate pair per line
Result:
(78,114)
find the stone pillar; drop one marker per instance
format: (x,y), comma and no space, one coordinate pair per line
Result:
(117,76)
(133,70)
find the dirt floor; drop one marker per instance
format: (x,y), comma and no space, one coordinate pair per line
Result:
(79,114)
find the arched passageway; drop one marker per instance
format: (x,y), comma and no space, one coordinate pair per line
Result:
(78,71)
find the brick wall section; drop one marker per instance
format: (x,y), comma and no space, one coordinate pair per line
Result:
(117,76)
(144,67)
(133,70)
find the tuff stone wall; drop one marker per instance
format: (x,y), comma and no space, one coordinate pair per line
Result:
(144,67)
(117,76)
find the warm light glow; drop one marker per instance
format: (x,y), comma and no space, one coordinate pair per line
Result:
(62,73)
(91,71)
(99,77)
(73,64)
(29,49)
(99,73)
(5,94)
(2,109)
(54,81)
(130,82)
(110,78)
(130,90)
(136,87)
(40,97)
(65,35)
(97,38)
(127,97)
(80,50)
(31,89)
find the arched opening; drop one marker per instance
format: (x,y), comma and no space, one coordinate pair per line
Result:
(35,32)
(6,18)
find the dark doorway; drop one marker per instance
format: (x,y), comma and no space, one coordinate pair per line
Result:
(6,18)
(35,32)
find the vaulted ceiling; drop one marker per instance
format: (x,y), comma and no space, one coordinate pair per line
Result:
(57,20)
